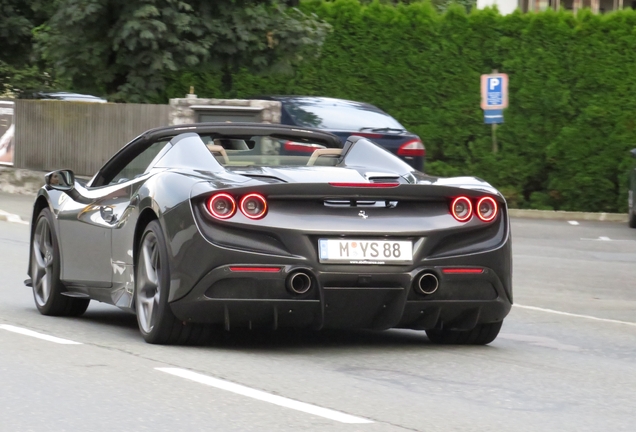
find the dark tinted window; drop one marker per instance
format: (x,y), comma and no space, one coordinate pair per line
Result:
(139,164)
(338,115)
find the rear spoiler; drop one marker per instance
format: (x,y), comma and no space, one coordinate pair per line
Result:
(322,191)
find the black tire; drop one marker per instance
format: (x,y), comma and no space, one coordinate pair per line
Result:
(482,334)
(157,323)
(630,205)
(45,272)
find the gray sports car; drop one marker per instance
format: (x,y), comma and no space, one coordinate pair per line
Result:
(212,224)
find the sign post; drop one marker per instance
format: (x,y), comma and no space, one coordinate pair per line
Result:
(494,99)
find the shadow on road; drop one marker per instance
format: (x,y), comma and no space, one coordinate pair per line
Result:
(269,340)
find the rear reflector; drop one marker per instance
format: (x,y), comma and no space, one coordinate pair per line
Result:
(255,269)
(365,185)
(462,270)
(412,148)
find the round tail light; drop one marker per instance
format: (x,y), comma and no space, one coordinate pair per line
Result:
(462,209)
(253,206)
(222,206)
(486,209)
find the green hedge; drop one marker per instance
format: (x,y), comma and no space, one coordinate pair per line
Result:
(572,116)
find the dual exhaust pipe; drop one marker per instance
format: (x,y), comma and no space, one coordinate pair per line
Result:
(299,282)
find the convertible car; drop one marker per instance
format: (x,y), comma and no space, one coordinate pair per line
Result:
(211,226)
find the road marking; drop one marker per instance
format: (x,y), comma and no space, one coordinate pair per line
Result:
(34,334)
(604,239)
(629,323)
(573,222)
(264,396)
(9,217)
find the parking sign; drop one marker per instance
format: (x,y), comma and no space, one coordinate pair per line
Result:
(494,91)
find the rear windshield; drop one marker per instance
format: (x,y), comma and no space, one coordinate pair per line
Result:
(339,116)
(269,151)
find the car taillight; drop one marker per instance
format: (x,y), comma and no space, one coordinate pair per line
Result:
(412,148)
(486,209)
(222,206)
(462,209)
(301,147)
(253,206)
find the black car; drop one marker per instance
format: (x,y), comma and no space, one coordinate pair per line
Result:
(345,118)
(61,96)
(194,225)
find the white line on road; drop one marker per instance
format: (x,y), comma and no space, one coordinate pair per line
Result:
(605,239)
(264,396)
(573,222)
(34,334)
(629,323)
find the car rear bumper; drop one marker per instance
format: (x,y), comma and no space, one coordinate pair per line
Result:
(353,297)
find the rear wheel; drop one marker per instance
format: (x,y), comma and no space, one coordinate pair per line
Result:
(482,334)
(630,205)
(45,272)
(157,323)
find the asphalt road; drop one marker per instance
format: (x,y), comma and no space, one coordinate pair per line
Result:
(564,361)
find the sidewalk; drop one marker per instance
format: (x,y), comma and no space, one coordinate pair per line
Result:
(20,181)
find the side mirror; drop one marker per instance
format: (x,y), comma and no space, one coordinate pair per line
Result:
(633,152)
(62,180)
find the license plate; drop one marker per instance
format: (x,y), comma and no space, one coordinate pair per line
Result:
(339,251)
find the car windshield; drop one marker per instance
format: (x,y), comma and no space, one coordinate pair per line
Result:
(269,151)
(339,115)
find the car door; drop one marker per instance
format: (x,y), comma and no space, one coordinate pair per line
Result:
(86,227)
(85,240)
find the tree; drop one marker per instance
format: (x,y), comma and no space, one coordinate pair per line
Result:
(125,48)
(19,69)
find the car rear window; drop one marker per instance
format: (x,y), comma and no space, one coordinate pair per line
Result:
(269,151)
(339,116)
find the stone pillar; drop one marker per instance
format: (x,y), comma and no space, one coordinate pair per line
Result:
(184,110)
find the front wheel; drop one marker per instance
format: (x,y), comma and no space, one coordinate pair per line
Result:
(157,323)
(482,334)
(45,272)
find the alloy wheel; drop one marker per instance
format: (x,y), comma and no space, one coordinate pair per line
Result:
(148,283)
(42,263)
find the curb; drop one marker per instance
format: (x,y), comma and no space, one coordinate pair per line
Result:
(568,215)
(8,217)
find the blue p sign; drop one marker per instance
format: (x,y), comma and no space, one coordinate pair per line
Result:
(494,85)
(494,91)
